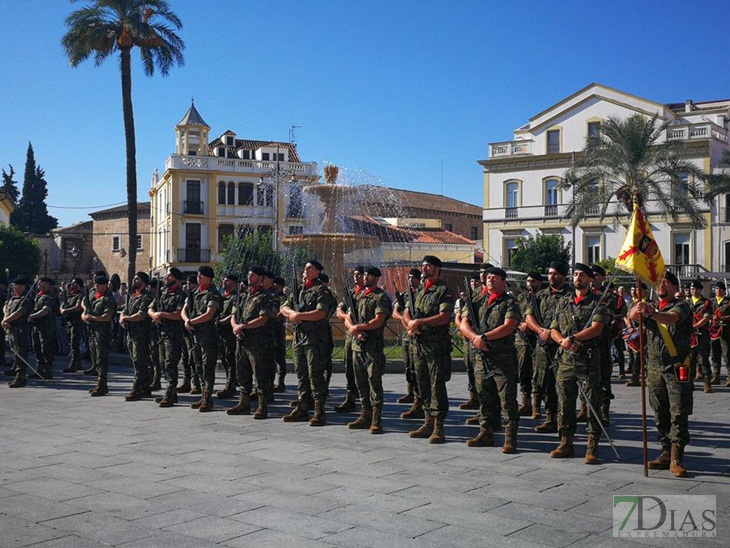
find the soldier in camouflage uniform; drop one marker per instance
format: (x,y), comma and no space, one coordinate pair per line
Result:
(43,320)
(721,346)
(492,335)
(71,311)
(310,311)
(352,394)
(428,327)
(577,328)
(668,378)
(136,320)
(279,328)
(374,308)
(411,395)
(99,309)
(191,357)
(251,320)
(543,385)
(469,355)
(155,372)
(701,318)
(526,343)
(226,338)
(200,315)
(15,323)
(166,314)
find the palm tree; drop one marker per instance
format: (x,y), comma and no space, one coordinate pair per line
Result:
(719,183)
(627,162)
(108,26)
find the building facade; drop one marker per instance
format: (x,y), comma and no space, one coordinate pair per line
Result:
(522,194)
(7,206)
(110,241)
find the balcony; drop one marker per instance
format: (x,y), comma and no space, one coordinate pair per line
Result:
(551,210)
(193,208)
(510,148)
(697,131)
(191,255)
(510,213)
(235,165)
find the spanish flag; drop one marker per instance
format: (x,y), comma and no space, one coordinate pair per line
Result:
(640,253)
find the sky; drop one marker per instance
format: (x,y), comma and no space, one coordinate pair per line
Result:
(404,93)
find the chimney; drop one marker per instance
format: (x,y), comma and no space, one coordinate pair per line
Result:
(688,106)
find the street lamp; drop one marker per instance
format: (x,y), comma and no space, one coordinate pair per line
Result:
(75,254)
(276,176)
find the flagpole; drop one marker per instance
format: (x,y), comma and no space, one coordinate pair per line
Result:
(642,373)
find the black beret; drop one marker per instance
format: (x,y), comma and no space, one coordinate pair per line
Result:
(474,275)
(78,281)
(192,279)
(143,276)
(100,273)
(535,276)
(231,277)
(101,280)
(47,280)
(175,273)
(21,280)
(280,281)
(324,278)
(598,269)
(432,259)
(415,273)
(560,266)
(720,284)
(587,270)
(496,271)
(373,271)
(359,269)
(316,264)
(206,271)
(485,266)
(671,278)
(696,284)
(269,274)
(258,270)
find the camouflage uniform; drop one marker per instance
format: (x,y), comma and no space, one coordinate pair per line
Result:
(571,318)
(410,370)
(700,354)
(100,332)
(352,384)
(255,350)
(44,333)
(171,331)
(721,350)
(613,310)
(205,335)
(18,333)
(138,338)
(278,326)
(74,325)
(525,345)
(227,344)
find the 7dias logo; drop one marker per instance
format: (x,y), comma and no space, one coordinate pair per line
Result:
(687,516)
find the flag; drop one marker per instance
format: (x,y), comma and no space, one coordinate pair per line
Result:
(640,253)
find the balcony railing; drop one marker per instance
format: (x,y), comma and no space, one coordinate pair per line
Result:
(191,255)
(551,210)
(697,131)
(193,208)
(258,167)
(593,210)
(510,213)
(510,148)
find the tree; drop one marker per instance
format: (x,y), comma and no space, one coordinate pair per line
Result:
(106,27)
(536,253)
(245,249)
(626,163)
(18,253)
(32,212)
(10,185)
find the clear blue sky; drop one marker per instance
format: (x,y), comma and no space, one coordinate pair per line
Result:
(389,89)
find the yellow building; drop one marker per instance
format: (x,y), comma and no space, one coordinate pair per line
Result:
(7,206)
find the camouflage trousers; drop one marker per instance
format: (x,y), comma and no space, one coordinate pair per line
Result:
(44,345)
(310,364)
(432,364)
(571,372)
(498,391)
(170,349)
(254,360)
(138,344)
(99,343)
(369,367)
(543,380)
(671,402)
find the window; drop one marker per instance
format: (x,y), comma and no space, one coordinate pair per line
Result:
(265,156)
(726,216)
(295,209)
(474,233)
(551,198)
(231,193)
(512,199)
(246,155)
(192,242)
(192,194)
(265,194)
(222,193)
(116,243)
(594,131)
(296,230)
(229,140)
(221,152)
(264,229)
(224,232)
(726,265)
(448,227)
(245,194)
(510,248)
(139,242)
(553,141)
(681,248)
(593,249)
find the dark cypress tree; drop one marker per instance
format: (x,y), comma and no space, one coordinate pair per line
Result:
(10,185)
(32,213)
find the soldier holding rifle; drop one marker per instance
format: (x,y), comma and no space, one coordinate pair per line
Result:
(15,323)
(99,310)
(71,311)
(358,278)
(136,320)
(411,395)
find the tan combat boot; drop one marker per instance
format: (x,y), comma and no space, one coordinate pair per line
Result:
(549,426)
(170,397)
(582,415)
(485,438)
(715,378)
(525,410)
(415,412)
(708,386)
(510,440)
(376,426)
(243,407)
(565,450)
(676,467)
(663,461)
(101,389)
(592,450)
(262,412)
(425,430)
(348,405)
(438,435)
(363,421)
(319,418)
(408,396)
(207,402)
(535,406)
(195,387)
(298,414)
(471,403)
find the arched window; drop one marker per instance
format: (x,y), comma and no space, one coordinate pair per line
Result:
(245,194)
(231,193)
(222,193)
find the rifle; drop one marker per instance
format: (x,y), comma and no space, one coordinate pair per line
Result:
(412,307)
(189,304)
(296,304)
(552,364)
(20,306)
(399,298)
(474,320)
(239,307)
(352,306)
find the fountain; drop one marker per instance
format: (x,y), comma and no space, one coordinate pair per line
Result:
(328,245)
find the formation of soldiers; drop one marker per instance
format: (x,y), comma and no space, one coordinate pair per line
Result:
(552,344)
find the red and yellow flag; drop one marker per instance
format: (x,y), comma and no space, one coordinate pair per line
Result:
(640,253)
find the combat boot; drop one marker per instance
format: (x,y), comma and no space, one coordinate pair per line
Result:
(376,426)
(415,412)
(535,406)
(262,411)
(207,402)
(363,421)
(298,414)
(592,450)
(348,405)
(510,440)
(101,389)
(228,391)
(485,438)
(19,381)
(549,426)
(676,467)
(582,415)
(438,435)
(307,400)
(605,408)
(195,387)
(698,375)
(319,418)
(170,397)
(715,378)
(473,420)
(184,388)
(135,394)
(663,461)
(471,403)
(708,386)
(156,382)
(565,450)
(425,430)
(280,386)
(93,370)
(243,407)
(197,404)
(408,396)
(525,410)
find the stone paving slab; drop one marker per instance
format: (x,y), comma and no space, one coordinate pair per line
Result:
(87,472)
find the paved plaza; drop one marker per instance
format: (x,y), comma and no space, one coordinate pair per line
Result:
(80,472)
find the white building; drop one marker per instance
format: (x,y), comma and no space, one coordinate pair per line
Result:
(521,176)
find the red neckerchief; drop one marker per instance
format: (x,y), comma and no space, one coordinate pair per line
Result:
(203,287)
(308,284)
(172,288)
(358,288)
(367,291)
(579,299)
(493,297)
(553,290)
(428,285)
(40,293)
(663,303)
(226,294)
(136,293)
(485,291)
(254,290)
(98,296)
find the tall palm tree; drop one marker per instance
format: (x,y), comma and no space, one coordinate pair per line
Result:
(105,27)
(627,162)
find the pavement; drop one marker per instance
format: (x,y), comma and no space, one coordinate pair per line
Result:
(80,472)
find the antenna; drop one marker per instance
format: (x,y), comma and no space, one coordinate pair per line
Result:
(292,137)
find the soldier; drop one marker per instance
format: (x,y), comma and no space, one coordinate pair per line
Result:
(469,356)
(309,311)
(721,349)
(99,310)
(136,320)
(669,326)
(428,327)
(374,308)
(200,315)
(330,340)
(44,327)
(15,322)
(577,328)
(545,305)
(191,357)
(155,373)
(4,294)
(700,341)
(71,311)
(226,338)
(492,334)
(251,323)
(631,334)
(275,286)
(411,395)
(526,342)
(166,314)
(348,405)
